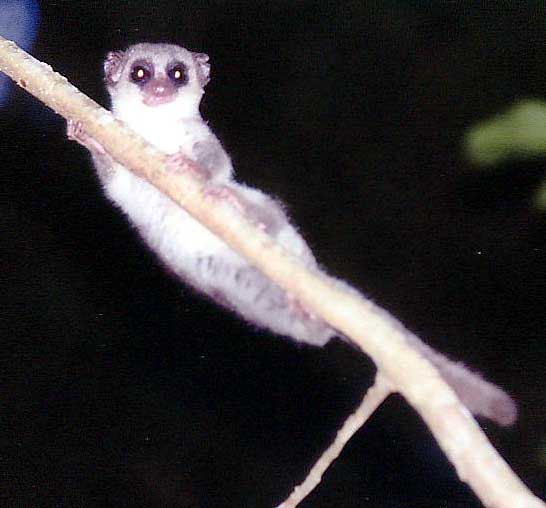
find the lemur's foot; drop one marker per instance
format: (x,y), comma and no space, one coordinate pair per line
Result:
(76,132)
(300,309)
(254,214)
(180,163)
(224,193)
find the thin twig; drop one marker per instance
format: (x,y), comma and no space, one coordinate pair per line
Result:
(380,390)
(377,333)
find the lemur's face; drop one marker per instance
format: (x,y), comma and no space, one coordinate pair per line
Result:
(157,76)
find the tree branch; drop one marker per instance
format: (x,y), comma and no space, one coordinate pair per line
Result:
(374,397)
(376,332)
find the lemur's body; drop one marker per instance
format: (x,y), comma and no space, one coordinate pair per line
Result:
(156,89)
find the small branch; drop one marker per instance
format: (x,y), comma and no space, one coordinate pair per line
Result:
(371,401)
(377,333)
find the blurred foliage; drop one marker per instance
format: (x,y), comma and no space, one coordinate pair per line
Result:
(19,21)
(518,133)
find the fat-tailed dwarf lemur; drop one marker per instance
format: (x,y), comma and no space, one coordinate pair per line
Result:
(156,90)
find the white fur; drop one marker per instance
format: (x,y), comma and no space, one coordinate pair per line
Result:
(204,260)
(183,244)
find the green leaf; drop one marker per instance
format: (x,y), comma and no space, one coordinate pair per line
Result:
(518,133)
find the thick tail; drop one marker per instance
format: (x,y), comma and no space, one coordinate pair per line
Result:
(481,397)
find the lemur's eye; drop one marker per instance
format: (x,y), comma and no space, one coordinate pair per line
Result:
(178,74)
(140,73)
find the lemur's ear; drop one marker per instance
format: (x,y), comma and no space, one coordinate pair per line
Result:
(113,67)
(203,68)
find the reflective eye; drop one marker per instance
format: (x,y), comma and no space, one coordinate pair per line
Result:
(140,74)
(177,74)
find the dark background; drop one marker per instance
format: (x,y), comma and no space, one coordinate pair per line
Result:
(120,387)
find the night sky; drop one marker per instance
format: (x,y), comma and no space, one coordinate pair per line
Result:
(120,387)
